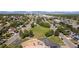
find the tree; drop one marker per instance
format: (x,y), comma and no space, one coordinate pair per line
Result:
(3,30)
(26,34)
(49,33)
(66,32)
(7,35)
(13,24)
(56,33)
(44,24)
(60,29)
(77,30)
(31,33)
(77,22)
(16,23)
(3,46)
(32,25)
(22,34)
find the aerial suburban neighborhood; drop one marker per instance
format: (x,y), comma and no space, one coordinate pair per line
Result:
(39,30)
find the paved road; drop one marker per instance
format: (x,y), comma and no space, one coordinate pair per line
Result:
(16,35)
(67,41)
(13,38)
(28,26)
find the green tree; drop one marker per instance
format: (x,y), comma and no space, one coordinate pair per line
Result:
(26,34)
(56,33)
(3,46)
(44,24)
(21,34)
(31,33)
(49,33)
(32,25)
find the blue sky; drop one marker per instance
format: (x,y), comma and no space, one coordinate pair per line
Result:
(39,5)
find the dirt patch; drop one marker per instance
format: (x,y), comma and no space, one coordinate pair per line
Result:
(34,43)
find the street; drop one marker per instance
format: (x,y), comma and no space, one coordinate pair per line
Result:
(13,38)
(28,26)
(67,41)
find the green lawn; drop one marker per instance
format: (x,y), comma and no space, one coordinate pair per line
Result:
(56,39)
(39,31)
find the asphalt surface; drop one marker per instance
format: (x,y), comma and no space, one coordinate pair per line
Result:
(13,38)
(16,35)
(28,26)
(67,41)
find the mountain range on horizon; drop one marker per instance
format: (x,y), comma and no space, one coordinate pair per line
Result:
(39,12)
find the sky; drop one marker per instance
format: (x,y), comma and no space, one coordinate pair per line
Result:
(39,5)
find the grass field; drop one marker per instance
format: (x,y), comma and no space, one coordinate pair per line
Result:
(56,39)
(39,31)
